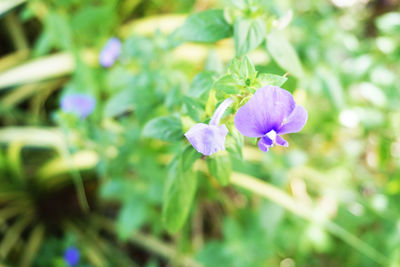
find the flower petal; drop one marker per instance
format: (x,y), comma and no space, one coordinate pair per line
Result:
(264,143)
(110,52)
(216,117)
(264,111)
(80,104)
(280,141)
(295,121)
(207,139)
(72,256)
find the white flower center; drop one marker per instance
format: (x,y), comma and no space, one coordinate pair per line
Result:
(272,135)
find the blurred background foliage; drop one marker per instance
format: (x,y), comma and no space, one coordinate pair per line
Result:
(97,184)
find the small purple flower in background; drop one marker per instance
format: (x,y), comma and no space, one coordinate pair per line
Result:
(210,138)
(72,256)
(110,52)
(80,104)
(270,112)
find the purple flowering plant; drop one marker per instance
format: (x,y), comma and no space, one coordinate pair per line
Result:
(72,256)
(82,105)
(264,112)
(258,108)
(207,122)
(210,138)
(269,113)
(110,52)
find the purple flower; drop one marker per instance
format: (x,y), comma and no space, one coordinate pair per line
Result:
(110,52)
(72,256)
(268,114)
(80,104)
(210,138)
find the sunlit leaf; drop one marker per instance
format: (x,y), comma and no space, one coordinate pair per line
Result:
(249,34)
(220,168)
(208,26)
(180,189)
(284,54)
(271,79)
(164,128)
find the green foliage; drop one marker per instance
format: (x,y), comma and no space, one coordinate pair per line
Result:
(284,54)
(180,189)
(164,128)
(131,217)
(249,34)
(201,84)
(208,27)
(271,79)
(227,84)
(220,168)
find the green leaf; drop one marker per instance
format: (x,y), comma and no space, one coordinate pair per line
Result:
(117,189)
(59,31)
(164,128)
(243,71)
(208,26)
(202,84)
(119,103)
(332,87)
(194,108)
(130,218)
(227,84)
(284,54)
(85,22)
(247,68)
(248,34)
(220,168)
(271,79)
(234,144)
(180,190)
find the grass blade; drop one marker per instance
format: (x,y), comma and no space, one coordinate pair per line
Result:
(32,246)
(8,5)
(38,70)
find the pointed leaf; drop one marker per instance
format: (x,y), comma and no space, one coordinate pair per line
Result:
(220,168)
(284,54)
(208,26)
(248,34)
(180,190)
(271,79)
(164,128)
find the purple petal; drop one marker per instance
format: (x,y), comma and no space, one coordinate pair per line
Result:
(110,52)
(295,121)
(264,111)
(106,60)
(264,143)
(220,111)
(280,141)
(72,256)
(207,139)
(80,104)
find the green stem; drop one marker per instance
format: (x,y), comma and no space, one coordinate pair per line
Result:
(76,176)
(16,31)
(77,179)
